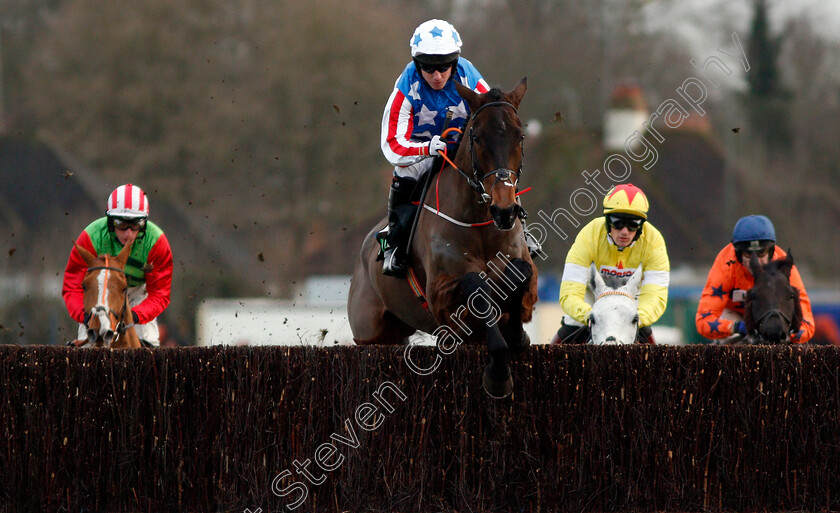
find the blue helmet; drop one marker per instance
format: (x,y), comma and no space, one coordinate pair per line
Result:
(752,228)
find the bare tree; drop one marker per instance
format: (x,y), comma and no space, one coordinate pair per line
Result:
(255,116)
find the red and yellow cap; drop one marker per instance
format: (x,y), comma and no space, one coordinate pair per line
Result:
(626,199)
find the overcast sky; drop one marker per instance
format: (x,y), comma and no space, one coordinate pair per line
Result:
(707,24)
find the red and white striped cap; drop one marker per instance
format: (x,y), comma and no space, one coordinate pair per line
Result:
(128,201)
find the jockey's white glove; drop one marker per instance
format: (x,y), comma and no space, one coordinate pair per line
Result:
(436,145)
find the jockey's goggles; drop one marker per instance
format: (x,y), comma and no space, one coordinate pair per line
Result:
(760,253)
(129,223)
(440,68)
(758,248)
(619,223)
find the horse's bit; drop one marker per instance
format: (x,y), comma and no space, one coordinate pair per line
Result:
(502,174)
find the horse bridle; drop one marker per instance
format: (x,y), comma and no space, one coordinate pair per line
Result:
(503,174)
(767,315)
(121,324)
(610,293)
(615,293)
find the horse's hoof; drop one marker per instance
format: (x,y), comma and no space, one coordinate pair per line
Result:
(497,389)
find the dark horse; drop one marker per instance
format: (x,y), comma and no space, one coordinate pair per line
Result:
(469,261)
(772,310)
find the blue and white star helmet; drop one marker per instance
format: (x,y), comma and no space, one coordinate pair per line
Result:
(435,37)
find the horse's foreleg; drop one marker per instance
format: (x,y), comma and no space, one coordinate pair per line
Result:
(519,274)
(127,340)
(497,380)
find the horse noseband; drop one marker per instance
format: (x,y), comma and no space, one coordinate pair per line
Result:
(772,313)
(503,175)
(767,315)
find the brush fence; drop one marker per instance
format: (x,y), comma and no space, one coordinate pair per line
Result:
(695,428)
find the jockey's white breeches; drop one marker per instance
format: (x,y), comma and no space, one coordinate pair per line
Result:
(414,171)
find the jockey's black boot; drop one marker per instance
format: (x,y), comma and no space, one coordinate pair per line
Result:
(400,194)
(645,336)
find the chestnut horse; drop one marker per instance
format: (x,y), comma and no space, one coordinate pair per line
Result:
(471,278)
(107,314)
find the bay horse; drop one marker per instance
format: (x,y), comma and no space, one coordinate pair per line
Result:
(772,310)
(471,278)
(107,314)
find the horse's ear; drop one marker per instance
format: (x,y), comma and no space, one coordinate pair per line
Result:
(89,258)
(122,258)
(788,264)
(596,281)
(515,96)
(474,99)
(635,281)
